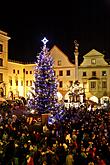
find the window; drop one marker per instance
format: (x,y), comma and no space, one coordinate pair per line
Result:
(93,84)
(30,82)
(60,73)
(94,74)
(93,61)
(26,83)
(26,72)
(21,82)
(60,84)
(1,77)
(1,48)
(68,72)
(23,70)
(31,72)
(84,73)
(16,82)
(104,73)
(104,84)
(18,71)
(10,82)
(1,62)
(13,70)
(59,62)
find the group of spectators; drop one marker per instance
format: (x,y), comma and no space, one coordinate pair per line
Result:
(80,137)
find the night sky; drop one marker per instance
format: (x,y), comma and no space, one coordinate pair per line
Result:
(87,21)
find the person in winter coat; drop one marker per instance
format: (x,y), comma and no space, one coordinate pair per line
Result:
(69,159)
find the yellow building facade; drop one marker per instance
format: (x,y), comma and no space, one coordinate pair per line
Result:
(16,78)
(94,74)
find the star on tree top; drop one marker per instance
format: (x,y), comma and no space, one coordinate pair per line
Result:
(44,40)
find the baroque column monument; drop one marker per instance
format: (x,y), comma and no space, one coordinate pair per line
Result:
(76,53)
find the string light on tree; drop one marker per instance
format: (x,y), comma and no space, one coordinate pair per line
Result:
(45,99)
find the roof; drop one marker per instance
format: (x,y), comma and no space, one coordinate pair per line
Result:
(93,52)
(57,54)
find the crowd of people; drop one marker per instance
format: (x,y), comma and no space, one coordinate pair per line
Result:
(80,137)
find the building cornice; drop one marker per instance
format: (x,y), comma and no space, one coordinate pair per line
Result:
(86,67)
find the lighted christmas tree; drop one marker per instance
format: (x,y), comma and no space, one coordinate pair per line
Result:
(45,99)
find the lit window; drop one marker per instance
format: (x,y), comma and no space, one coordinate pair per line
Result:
(84,73)
(1,48)
(68,72)
(59,62)
(60,73)
(26,83)
(104,84)
(10,82)
(1,77)
(16,82)
(104,73)
(1,62)
(94,74)
(93,84)
(23,70)
(30,82)
(93,61)
(13,70)
(60,84)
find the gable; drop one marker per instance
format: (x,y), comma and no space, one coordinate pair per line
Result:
(93,59)
(58,55)
(94,53)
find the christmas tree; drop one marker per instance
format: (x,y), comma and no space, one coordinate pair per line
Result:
(45,99)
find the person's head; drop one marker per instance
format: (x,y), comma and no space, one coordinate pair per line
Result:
(91,163)
(44,163)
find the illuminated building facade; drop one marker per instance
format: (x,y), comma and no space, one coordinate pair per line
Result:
(94,74)
(16,78)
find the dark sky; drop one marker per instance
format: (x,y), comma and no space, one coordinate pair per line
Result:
(87,21)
